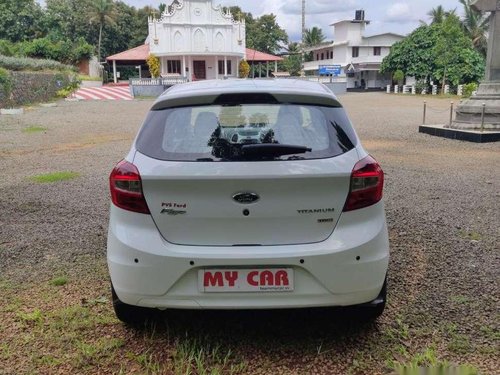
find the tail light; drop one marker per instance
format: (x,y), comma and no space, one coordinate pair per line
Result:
(367,183)
(126,188)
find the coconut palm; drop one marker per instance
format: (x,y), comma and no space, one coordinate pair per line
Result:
(475,25)
(438,14)
(102,12)
(313,36)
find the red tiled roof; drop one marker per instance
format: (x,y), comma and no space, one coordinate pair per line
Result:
(253,55)
(134,54)
(142,53)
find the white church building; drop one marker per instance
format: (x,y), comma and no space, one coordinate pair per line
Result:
(359,56)
(198,40)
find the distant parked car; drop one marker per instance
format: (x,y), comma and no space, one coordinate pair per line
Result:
(247,194)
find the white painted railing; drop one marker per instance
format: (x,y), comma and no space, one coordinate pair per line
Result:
(168,81)
(321,79)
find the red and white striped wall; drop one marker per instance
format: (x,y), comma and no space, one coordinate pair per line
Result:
(103,93)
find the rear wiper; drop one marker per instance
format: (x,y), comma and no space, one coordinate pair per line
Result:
(271,150)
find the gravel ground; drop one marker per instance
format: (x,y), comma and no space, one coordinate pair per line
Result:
(442,199)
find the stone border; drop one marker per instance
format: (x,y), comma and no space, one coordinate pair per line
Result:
(460,134)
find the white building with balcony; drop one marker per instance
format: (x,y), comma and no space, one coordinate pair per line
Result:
(359,56)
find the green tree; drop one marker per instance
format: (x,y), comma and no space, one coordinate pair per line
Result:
(438,14)
(452,48)
(476,26)
(264,34)
(102,12)
(129,30)
(292,63)
(449,42)
(314,36)
(20,20)
(414,54)
(437,52)
(68,19)
(398,76)
(239,14)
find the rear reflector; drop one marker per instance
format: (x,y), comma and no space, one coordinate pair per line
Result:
(367,184)
(126,188)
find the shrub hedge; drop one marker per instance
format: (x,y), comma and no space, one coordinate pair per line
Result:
(34,87)
(5,85)
(26,63)
(64,51)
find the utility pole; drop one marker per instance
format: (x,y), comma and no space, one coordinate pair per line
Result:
(303,35)
(303,21)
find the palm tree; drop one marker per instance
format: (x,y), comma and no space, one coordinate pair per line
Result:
(438,14)
(293,48)
(102,12)
(476,26)
(314,36)
(293,62)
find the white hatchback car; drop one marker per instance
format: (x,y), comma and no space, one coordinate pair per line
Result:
(247,194)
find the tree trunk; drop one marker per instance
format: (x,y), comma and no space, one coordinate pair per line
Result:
(99,45)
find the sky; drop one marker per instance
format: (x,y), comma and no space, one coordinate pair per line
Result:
(397,16)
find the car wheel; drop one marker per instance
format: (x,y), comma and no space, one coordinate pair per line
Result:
(129,314)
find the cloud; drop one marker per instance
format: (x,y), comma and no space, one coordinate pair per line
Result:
(319,6)
(398,10)
(402,13)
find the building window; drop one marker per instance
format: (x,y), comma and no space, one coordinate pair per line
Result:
(317,56)
(377,51)
(331,54)
(174,66)
(355,51)
(221,67)
(322,56)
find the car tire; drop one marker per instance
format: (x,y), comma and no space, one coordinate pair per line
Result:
(129,314)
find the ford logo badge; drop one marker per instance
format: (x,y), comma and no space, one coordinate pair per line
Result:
(246,198)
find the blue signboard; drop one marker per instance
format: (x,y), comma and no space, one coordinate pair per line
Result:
(331,70)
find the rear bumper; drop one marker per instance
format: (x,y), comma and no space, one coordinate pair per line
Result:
(348,268)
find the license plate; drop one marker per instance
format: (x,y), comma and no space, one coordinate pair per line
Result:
(245,280)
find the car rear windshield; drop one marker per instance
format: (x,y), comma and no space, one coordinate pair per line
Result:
(246,132)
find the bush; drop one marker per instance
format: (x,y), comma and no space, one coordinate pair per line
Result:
(8,48)
(127,72)
(63,51)
(25,63)
(154,65)
(72,85)
(422,85)
(398,76)
(468,89)
(244,69)
(5,85)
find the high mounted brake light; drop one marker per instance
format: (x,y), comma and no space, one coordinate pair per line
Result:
(126,188)
(367,183)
